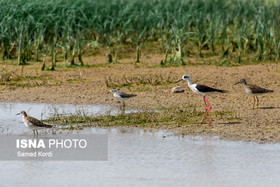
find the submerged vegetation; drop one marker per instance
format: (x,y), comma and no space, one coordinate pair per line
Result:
(31,30)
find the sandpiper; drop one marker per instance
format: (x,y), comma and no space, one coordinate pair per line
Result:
(122,97)
(202,90)
(253,90)
(33,123)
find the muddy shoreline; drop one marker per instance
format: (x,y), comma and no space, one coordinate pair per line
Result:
(86,85)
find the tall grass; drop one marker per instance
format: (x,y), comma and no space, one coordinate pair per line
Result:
(239,28)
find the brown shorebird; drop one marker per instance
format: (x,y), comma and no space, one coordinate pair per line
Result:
(202,90)
(122,97)
(33,123)
(253,90)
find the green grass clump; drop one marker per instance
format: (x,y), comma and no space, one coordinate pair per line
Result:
(171,117)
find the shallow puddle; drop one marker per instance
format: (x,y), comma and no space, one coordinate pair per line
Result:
(12,124)
(143,158)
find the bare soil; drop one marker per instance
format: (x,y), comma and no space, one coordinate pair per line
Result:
(86,85)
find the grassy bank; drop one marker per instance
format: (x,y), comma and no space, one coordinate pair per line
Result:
(170,118)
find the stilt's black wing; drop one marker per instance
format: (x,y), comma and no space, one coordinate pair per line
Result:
(205,89)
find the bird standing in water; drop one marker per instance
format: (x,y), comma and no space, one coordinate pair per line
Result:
(122,97)
(33,123)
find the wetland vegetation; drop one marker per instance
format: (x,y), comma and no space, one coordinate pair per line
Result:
(142,47)
(164,117)
(236,31)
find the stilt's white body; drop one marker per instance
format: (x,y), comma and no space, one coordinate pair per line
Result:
(202,90)
(193,87)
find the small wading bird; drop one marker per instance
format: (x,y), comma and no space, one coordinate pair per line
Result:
(33,123)
(202,90)
(253,90)
(122,97)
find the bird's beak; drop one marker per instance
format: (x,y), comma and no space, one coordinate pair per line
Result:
(178,81)
(237,83)
(18,114)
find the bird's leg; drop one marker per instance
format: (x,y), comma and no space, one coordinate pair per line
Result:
(206,108)
(257,102)
(37,132)
(34,132)
(123,107)
(253,103)
(209,111)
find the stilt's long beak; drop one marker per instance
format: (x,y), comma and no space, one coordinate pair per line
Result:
(178,81)
(18,114)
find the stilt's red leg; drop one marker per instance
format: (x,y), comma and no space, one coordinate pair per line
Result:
(205,109)
(209,111)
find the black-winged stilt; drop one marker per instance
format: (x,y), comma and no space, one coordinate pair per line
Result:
(122,96)
(202,90)
(253,90)
(33,123)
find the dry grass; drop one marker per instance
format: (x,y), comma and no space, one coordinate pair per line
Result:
(139,80)
(6,75)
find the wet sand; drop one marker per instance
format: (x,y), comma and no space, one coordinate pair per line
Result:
(86,85)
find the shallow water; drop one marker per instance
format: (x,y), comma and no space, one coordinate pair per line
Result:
(139,158)
(11,123)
